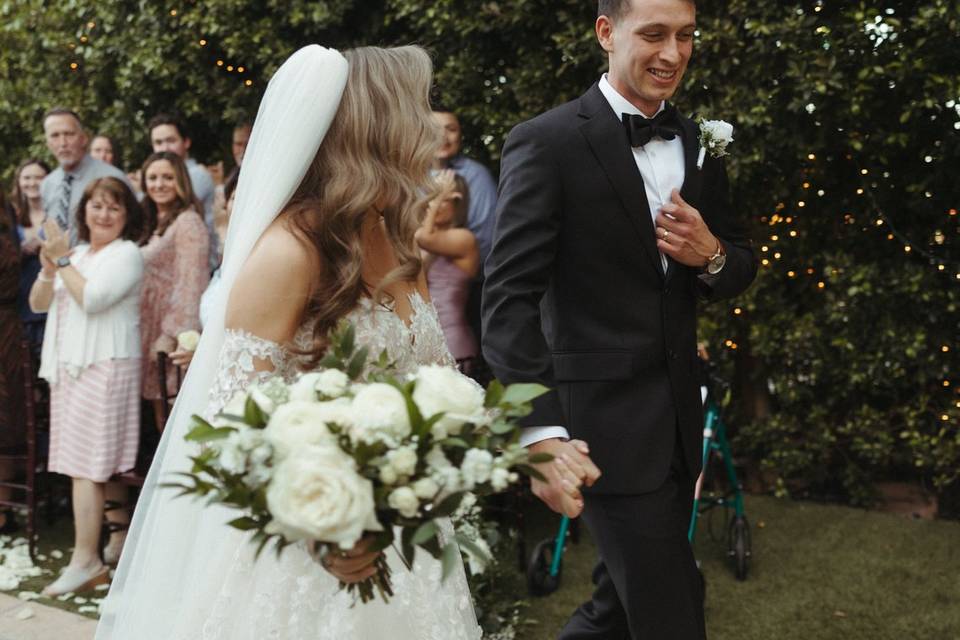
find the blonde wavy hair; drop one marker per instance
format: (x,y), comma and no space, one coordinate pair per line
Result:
(379,148)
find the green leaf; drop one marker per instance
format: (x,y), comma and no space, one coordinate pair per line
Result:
(253,415)
(530,471)
(206,433)
(244,523)
(494,394)
(523,393)
(540,458)
(447,506)
(424,532)
(450,560)
(355,368)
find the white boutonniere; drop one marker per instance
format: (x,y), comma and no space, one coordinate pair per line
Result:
(715,135)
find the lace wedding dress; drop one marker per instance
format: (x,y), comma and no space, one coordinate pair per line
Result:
(291,597)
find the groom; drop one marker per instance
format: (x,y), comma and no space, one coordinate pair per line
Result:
(607,232)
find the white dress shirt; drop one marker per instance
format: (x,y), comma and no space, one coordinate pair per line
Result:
(661,165)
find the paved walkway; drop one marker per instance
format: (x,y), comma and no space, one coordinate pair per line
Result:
(45,623)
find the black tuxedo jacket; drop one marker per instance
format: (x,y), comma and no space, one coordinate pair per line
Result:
(576,299)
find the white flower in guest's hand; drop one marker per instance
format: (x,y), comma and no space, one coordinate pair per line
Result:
(380,414)
(404,500)
(317,494)
(444,389)
(188,340)
(715,135)
(297,424)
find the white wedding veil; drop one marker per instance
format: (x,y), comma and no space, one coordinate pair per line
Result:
(167,554)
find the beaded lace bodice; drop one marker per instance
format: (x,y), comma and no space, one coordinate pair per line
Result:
(377,327)
(291,597)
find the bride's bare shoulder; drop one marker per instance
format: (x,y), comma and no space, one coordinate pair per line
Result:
(274,285)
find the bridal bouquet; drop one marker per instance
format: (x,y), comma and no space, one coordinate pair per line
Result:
(352,449)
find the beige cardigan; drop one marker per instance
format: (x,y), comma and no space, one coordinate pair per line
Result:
(107,326)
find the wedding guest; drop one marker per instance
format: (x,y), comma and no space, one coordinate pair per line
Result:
(91,358)
(169,133)
(483,189)
(182,357)
(241,136)
(12,435)
(64,186)
(101,148)
(30,216)
(175,266)
(451,262)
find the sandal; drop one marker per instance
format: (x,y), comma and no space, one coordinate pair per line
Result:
(73,580)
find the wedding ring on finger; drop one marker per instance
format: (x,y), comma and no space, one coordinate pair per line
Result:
(665,234)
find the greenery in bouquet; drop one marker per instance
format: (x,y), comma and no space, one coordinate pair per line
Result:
(353,449)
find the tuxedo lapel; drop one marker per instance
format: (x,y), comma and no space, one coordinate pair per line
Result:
(608,141)
(692,176)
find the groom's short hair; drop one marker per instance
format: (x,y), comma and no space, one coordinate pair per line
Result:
(614,9)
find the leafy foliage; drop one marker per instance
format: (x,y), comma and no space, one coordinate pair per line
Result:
(835,384)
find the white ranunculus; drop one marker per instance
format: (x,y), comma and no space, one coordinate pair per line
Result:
(317,494)
(388,475)
(444,389)
(426,488)
(188,340)
(403,460)
(305,388)
(332,383)
(299,423)
(380,414)
(404,500)
(477,466)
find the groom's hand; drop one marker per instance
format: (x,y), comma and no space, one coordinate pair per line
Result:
(683,235)
(570,469)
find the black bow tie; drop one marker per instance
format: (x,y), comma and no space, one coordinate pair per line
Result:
(641,130)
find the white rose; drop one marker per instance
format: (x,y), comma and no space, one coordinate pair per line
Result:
(403,460)
(332,383)
(404,500)
(477,466)
(298,424)
(426,488)
(380,414)
(444,389)
(499,479)
(317,494)
(188,340)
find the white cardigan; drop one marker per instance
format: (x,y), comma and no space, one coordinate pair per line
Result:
(107,326)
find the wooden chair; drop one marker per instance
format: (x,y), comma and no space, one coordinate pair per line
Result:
(36,408)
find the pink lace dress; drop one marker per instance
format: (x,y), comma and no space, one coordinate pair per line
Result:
(176,272)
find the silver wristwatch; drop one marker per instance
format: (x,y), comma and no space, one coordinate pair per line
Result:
(717,260)
(63,261)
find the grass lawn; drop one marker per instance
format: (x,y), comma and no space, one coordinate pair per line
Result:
(818,572)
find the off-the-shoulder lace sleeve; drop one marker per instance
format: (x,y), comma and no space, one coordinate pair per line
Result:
(244,359)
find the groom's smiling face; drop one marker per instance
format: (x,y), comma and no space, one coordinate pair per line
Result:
(648,45)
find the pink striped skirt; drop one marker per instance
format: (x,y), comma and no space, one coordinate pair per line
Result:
(95,420)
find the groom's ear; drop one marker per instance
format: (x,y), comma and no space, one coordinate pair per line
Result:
(604,29)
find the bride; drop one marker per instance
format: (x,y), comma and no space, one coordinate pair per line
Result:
(323,229)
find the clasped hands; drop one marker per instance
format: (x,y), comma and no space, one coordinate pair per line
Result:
(683,235)
(570,469)
(55,246)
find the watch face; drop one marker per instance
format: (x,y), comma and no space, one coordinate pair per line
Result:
(63,261)
(714,266)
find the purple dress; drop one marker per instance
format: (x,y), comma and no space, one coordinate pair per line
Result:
(449,286)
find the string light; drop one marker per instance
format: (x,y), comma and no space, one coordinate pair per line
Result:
(203,42)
